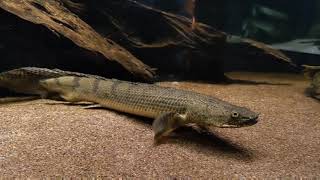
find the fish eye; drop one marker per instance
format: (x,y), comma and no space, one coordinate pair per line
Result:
(234,114)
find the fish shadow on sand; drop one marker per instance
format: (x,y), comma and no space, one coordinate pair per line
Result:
(209,143)
(206,142)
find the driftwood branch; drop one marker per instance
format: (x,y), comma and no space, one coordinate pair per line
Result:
(56,17)
(171,30)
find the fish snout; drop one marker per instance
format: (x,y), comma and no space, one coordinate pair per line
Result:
(252,120)
(255,117)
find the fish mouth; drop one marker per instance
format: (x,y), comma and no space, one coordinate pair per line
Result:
(250,122)
(244,123)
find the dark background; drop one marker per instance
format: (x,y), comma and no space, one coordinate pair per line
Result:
(25,44)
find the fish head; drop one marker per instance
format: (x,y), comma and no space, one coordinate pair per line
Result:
(226,115)
(236,116)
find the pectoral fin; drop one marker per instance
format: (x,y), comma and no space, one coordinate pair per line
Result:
(200,128)
(165,124)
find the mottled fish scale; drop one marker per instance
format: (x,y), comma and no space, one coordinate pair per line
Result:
(130,97)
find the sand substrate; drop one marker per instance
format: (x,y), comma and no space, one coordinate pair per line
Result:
(46,138)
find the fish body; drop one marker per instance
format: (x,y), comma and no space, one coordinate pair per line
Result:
(313,73)
(171,108)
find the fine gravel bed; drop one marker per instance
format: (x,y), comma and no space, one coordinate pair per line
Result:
(47,138)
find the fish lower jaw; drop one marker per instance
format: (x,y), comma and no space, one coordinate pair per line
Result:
(244,124)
